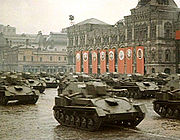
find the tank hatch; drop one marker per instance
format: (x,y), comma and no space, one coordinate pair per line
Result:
(111,102)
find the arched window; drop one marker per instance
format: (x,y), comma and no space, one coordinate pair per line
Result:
(168,30)
(167,55)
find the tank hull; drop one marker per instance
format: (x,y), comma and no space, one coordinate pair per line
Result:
(24,99)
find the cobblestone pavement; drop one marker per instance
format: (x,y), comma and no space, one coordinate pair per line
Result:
(36,122)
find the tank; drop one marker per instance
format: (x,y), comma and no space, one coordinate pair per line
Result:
(34,82)
(135,84)
(167,102)
(51,81)
(88,106)
(159,78)
(37,85)
(13,89)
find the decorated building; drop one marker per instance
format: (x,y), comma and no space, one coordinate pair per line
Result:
(32,52)
(147,41)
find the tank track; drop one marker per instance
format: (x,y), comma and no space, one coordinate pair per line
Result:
(88,120)
(77,118)
(167,109)
(132,123)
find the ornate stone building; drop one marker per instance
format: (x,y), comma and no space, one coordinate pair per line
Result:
(152,24)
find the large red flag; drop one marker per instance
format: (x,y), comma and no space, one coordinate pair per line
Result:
(78,61)
(129,60)
(140,59)
(94,62)
(111,60)
(103,61)
(121,58)
(86,61)
(178,35)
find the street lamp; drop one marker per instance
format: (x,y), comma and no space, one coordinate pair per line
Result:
(3,64)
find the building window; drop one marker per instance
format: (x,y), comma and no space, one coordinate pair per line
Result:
(163,2)
(145,32)
(153,31)
(24,58)
(153,70)
(136,32)
(167,70)
(168,30)
(50,58)
(40,59)
(32,58)
(76,40)
(64,58)
(167,55)
(59,58)
(129,33)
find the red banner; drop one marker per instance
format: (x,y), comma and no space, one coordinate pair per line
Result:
(178,35)
(129,60)
(111,55)
(140,60)
(85,61)
(94,62)
(102,61)
(121,58)
(78,61)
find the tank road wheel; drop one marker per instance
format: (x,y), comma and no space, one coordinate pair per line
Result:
(176,113)
(72,120)
(132,95)
(93,123)
(83,122)
(157,108)
(3,100)
(77,121)
(90,123)
(67,119)
(136,95)
(61,118)
(163,112)
(169,112)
